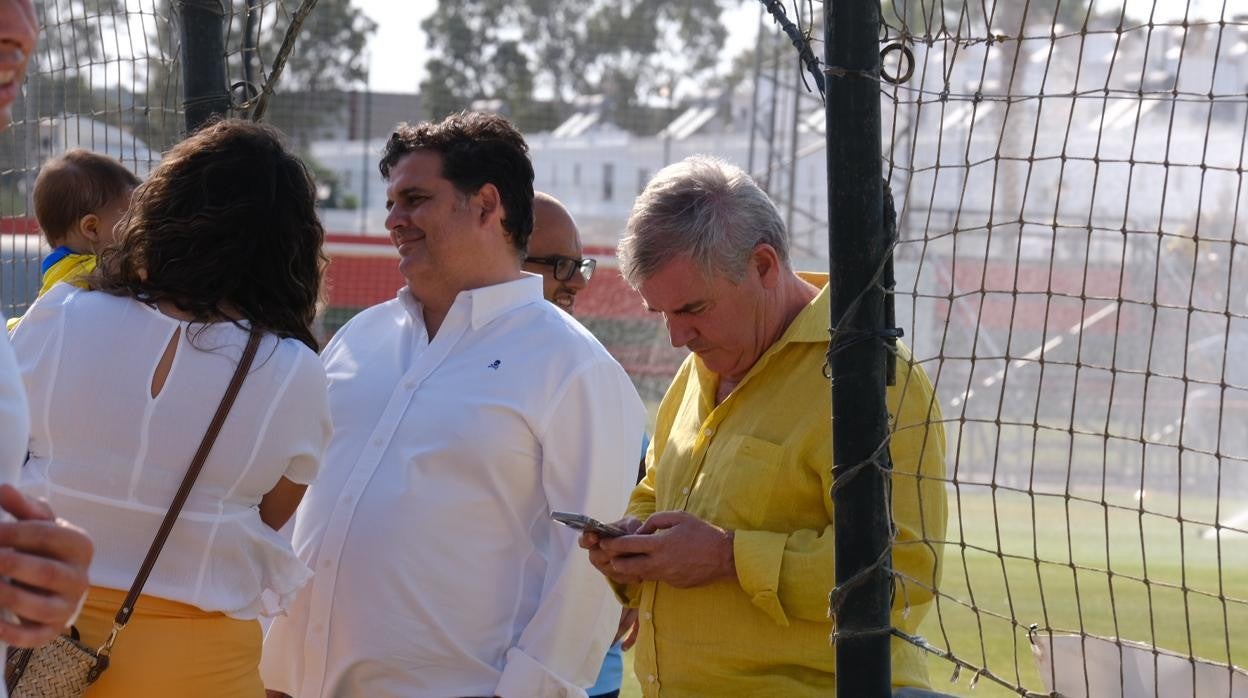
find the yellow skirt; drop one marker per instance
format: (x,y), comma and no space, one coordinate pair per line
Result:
(172,649)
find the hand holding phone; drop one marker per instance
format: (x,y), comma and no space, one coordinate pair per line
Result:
(582,522)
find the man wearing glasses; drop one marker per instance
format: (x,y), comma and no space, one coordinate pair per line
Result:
(555,253)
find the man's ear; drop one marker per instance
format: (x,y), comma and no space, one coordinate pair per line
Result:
(491,203)
(766,262)
(89,227)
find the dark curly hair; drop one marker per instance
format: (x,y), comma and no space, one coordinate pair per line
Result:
(476,148)
(226,222)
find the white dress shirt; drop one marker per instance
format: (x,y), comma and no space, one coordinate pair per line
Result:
(438,572)
(14,415)
(14,425)
(110,457)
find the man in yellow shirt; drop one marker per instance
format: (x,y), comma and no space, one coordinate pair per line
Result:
(731,554)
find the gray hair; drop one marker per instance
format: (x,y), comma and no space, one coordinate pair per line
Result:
(703,207)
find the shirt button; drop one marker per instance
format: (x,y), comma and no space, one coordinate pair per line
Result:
(410,385)
(378,442)
(684,490)
(708,431)
(327,564)
(647,615)
(318,628)
(651,678)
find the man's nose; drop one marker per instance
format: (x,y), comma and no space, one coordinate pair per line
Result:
(679,331)
(577,282)
(394,219)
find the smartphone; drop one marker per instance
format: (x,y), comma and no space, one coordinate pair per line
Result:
(582,522)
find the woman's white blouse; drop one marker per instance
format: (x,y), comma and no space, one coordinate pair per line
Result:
(109,456)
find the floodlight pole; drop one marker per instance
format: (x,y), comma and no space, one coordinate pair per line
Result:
(204,89)
(857,248)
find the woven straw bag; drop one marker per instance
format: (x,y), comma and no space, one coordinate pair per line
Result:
(62,668)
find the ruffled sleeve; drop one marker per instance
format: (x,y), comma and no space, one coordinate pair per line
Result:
(303,423)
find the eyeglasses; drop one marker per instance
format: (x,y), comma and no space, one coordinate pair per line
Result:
(566,267)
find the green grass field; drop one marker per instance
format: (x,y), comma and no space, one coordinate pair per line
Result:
(1076,541)
(1179,608)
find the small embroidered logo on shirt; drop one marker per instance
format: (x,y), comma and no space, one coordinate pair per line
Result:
(496,364)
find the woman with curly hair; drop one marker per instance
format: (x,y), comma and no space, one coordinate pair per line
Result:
(123,378)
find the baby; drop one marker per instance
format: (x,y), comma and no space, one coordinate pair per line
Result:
(79,199)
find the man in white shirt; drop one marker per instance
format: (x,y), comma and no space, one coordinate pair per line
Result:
(43,561)
(555,252)
(465,411)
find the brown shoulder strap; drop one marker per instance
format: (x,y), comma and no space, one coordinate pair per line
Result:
(184,491)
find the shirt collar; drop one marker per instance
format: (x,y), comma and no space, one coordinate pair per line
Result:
(811,324)
(487,303)
(57,255)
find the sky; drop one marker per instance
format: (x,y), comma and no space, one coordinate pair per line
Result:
(398,50)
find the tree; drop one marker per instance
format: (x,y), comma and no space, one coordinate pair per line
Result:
(327,59)
(474,60)
(922,18)
(328,56)
(70,48)
(627,51)
(329,51)
(74,32)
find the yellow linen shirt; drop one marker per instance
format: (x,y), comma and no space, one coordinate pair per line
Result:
(760,464)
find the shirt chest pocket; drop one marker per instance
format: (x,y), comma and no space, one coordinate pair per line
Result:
(740,477)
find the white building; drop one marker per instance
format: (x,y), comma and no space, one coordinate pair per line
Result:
(63,133)
(1104,130)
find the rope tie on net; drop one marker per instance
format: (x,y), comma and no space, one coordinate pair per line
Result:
(800,41)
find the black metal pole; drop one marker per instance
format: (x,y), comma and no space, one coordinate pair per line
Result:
(857,248)
(203,61)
